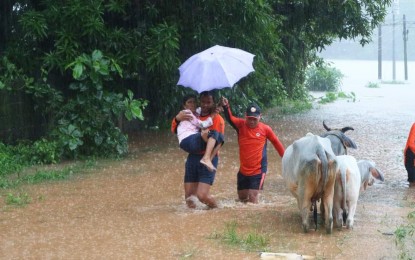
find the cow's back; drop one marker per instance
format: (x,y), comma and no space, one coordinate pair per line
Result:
(300,157)
(308,167)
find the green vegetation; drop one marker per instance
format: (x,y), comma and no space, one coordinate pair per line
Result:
(20,199)
(289,107)
(250,241)
(328,98)
(17,169)
(322,77)
(333,96)
(372,85)
(87,67)
(404,237)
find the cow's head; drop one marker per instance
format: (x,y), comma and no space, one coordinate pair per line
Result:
(343,142)
(369,173)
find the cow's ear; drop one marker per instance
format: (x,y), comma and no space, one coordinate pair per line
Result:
(376,174)
(349,142)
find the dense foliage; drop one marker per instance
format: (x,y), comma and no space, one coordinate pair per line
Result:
(77,59)
(322,77)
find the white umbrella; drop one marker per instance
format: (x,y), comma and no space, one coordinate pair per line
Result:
(215,68)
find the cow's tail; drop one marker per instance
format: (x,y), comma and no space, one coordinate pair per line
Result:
(344,190)
(321,154)
(315,213)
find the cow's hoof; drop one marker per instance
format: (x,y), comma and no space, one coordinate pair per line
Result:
(305,228)
(349,224)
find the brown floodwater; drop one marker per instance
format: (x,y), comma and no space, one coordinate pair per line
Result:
(134,208)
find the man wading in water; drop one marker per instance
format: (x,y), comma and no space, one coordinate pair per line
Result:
(198,178)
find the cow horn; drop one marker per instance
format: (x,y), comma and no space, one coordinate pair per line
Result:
(347,128)
(326,127)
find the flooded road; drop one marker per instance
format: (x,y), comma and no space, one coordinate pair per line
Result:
(134,209)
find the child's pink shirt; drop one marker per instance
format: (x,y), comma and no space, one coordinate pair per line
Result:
(190,127)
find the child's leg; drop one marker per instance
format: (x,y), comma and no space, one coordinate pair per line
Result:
(215,151)
(219,138)
(213,144)
(207,157)
(204,133)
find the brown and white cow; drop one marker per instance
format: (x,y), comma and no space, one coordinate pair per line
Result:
(351,178)
(309,168)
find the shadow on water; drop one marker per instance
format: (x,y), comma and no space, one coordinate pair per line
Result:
(134,209)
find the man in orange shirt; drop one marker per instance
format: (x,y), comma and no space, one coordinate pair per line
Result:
(198,179)
(410,157)
(252,139)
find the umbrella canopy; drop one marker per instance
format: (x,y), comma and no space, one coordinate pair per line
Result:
(215,68)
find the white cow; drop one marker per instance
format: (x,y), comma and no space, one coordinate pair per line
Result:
(351,177)
(309,168)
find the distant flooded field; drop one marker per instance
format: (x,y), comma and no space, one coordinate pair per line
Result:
(362,71)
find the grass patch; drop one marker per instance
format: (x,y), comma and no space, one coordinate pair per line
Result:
(288,107)
(333,96)
(249,241)
(36,174)
(20,199)
(404,238)
(372,85)
(294,107)
(328,98)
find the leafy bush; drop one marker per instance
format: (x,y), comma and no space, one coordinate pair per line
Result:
(8,162)
(41,151)
(372,85)
(323,78)
(328,98)
(83,122)
(87,122)
(14,158)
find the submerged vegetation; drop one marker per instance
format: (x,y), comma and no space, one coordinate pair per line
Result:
(249,241)
(323,77)
(333,96)
(20,199)
(404,237)
(372,85)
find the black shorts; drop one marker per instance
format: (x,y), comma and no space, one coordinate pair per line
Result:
(254,182)
(410,165)
(197,172)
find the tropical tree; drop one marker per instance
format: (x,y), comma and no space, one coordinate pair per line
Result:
(45,43)
(310,26)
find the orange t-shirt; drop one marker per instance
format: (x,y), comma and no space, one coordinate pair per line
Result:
(253,145)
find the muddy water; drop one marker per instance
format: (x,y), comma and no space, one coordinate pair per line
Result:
(134,209)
